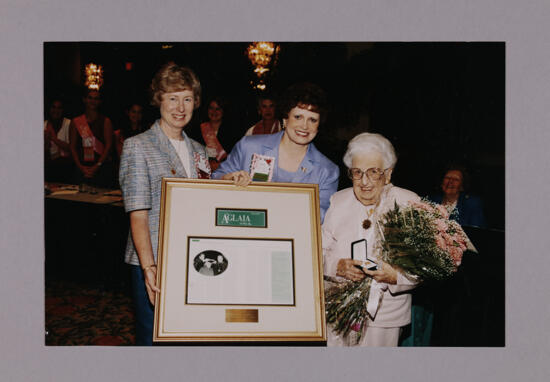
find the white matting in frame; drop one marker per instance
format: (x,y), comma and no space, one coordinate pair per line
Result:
(221,271)
(239,283)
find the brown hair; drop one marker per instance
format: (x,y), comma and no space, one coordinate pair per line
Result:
(172,78)
(304,95)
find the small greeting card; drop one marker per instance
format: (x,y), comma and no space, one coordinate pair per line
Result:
(261,167)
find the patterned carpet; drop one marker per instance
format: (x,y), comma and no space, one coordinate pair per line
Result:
(87,315)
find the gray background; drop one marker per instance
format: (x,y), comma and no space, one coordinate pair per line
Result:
(25,25)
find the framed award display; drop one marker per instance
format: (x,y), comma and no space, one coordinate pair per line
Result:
(239,264)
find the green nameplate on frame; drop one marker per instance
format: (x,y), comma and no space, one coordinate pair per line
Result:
(241,218)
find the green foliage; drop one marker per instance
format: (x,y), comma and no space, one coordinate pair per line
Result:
(409,244)
(345,305)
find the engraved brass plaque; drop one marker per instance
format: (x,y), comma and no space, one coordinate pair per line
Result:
(241,315)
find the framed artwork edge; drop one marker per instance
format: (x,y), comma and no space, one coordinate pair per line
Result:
(222,332)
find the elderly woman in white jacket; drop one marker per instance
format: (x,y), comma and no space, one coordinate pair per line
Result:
(370,159)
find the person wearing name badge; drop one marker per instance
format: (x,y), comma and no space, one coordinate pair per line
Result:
(91,141)
(58,164)
(163,151)
(289,155)
(352,215)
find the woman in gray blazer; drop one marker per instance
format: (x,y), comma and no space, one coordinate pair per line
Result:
(162,151)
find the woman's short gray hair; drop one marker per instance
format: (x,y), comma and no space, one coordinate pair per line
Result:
(365,143)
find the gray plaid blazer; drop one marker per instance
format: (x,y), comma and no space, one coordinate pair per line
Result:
(146,159)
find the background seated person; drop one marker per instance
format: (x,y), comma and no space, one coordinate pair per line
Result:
(454,184)
(470,213)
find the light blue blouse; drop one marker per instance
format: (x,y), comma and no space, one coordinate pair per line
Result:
(315,167)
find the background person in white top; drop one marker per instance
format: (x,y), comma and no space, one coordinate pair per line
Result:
(58,164)
(268,124)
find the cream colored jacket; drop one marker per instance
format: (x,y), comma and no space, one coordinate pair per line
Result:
(343,225)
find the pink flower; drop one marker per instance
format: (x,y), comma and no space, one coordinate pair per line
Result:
(460,240)
(459,236)
(441,225)
(440,241)
(442,210)
(448,239)
(422,206)
(455,226)
(456,255)
(356,327)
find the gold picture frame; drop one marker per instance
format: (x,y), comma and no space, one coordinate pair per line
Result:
(229,276)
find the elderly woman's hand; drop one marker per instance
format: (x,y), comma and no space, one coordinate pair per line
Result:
(347,268)
(240,178)
(384,274)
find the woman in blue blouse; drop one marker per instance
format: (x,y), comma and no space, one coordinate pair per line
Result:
(469,212)
(289,155)
(453,187)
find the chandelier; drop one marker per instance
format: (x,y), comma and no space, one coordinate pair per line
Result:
(94,76)
(263,56)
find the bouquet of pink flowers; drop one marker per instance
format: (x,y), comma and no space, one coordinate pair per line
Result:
(419,240)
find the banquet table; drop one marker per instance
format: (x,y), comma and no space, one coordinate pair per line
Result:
(93,195)
(85,234)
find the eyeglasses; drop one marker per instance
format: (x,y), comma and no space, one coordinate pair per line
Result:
(450,178)
(374,174)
